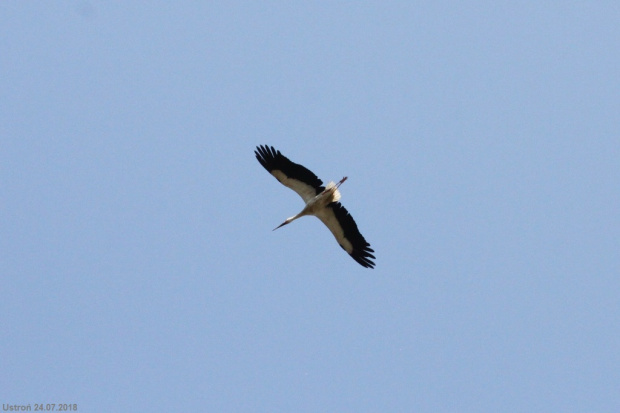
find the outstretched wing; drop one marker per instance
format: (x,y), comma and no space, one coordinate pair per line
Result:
(344,228)
(295,176)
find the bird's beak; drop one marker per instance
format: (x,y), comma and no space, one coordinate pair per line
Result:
(282,224)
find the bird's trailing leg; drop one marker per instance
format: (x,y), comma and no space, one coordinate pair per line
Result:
(341,181)
(333,187)
(331,191)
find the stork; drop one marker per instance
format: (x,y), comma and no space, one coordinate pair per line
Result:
(322,202)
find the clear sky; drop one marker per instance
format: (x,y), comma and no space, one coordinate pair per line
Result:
(138,267)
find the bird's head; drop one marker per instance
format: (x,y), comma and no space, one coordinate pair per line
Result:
(282,224)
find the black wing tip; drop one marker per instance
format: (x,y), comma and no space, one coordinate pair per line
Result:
(364,257)
(365,263)
(267,156)
(266,149)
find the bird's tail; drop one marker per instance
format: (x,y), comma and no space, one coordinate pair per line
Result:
(335,197)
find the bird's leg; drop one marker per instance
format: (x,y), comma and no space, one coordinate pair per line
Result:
(341,181)
(332,188)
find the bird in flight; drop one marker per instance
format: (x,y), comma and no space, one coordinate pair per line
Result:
(322,202)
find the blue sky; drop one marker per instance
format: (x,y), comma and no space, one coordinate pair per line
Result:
(139,269)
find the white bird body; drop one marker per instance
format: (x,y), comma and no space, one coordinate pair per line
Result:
(318,202)
(321,202)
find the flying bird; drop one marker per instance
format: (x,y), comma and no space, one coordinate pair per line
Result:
(322,202)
